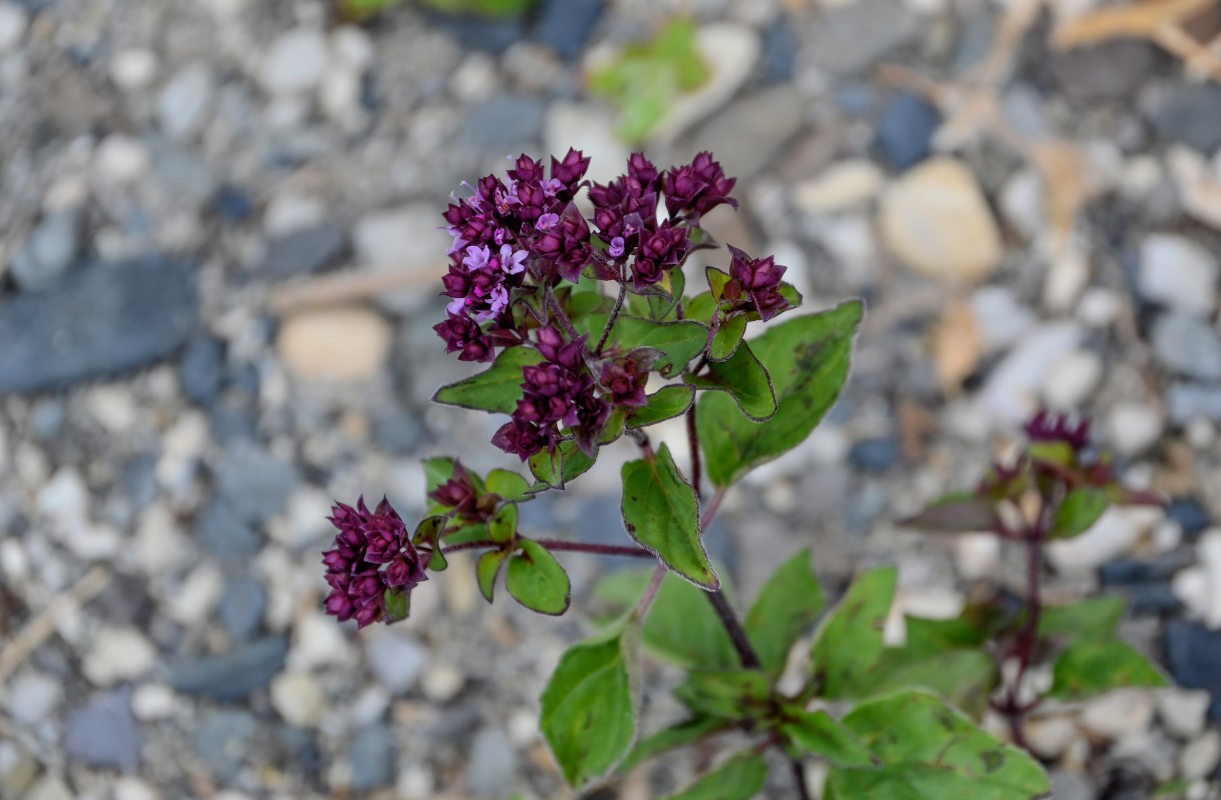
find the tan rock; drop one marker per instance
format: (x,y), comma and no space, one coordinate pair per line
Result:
(936,221)
(347,344)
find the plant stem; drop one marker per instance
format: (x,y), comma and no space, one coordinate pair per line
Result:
(559,544)
(1028,639)
(614,316)
(799,779)
(694,441)
(650,594)
(746,652)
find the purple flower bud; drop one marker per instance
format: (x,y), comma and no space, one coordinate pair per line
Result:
(758,282)
(463,335)
(698,187)
(1047,427)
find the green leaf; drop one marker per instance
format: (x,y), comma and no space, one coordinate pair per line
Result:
(849,640)
(929,750)
(477,532)
(728,336)
(964,677)
(537,581)
(684,733)
(487,569)
(1092,619)
(930,636)
(728,693)
(678,341)
(665,403)
(807,359)
(662,304)
(660,512)
(555,470)
(701,307)
(960,512)
(587,715)
(819,734)
(717,280)
(509,485)
(1081,508)
(428,532)
(744,378)
(788,604)
(503,527)
(496,389)
(681,626)
(1088,668)
(487,8)
(398,605)
(739,778)
(436,472)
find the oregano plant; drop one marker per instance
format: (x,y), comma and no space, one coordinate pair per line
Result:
(597,328)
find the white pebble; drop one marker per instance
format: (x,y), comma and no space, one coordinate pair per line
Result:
(977,555)
(1116,532)
(318,642)
(1098,307)
(1179,273)
(1182,711)
(197,595)
(351,47)
(122,159)
(1208,551)
(1118,714)
(1133,427)
(1049,737)
(133,69)
(287,212)
(298,698)
(442,682)
(153,701)
(33,696)
(295,62)
(13,21)
(128,788)
(118,654)
(1072,380)
(1200,758)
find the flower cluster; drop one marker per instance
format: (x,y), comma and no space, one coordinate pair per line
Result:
(461,494)
(1047,427)
(373,558)
(754,284)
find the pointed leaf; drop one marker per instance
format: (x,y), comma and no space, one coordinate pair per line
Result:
(788,604)
(700,308)
(496,389)
(728,693)
(965,677)
(740,778)
(428,532)
(487,569)
(1089,668)
(724,343)
(678,341)
(660,512)
(436,472)
(467,533)
(555,470)
(509,485)
(744,379)
(849,640)
(1081,508)
(717,280)
(684,733)
(537,581)
(1092,619)
(960,512)
(397,604)
(932,751)
(807,359)
(681,626)
(503,527)
(588,718)
(817,733)
(665,403)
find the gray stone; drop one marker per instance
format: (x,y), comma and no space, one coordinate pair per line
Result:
(851,37)
(749,134)
(565,25)
(397,661)
(222,740)
(1187,346)
(780,48)
(48,253)
(242,606)
(1192,654)
(906,130)
(201,369)
(305,251)
(372,756)
(103,320)
(874,455)
(1106,71)
(104,733)
(492,763)
(254,483)
(184,100)
(1191,114)
(1189,400)
(184,174)
(224,535)
(503,121)
(233,675)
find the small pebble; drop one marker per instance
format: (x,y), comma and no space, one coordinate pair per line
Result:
(1118,714)
(118,654)
(1182,711)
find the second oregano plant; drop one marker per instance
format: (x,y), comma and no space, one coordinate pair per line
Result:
(590,333)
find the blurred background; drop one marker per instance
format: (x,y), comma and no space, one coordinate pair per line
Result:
(219,254)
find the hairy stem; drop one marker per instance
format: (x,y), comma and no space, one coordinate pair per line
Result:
(650,594)
(560,316)
(693,441)
(799,779)
(559,544)
(729,618)
(614,316)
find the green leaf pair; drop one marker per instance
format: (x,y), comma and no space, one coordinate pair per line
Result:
(534,577)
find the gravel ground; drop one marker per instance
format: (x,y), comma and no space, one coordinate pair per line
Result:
(218,254)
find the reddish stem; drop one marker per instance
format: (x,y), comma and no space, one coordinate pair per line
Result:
(559,544)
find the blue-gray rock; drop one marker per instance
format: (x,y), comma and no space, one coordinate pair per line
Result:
(1153,598)
(232,203)
(397,430)
(565,25)
(46,418)
(975,38)
(779,50)
(852,37)
(231,421)
(103,320)
(104,732)
(139,480)
(233,675)
(305,251)
(1190,515)
(201,368)
(298,749)
(222,740)
(507,120)
(224,535)
(372,755)
(1191,114)
(1126,571)
(480,33)
(906,129)
(1187,400)
(874,455)
(184,174)
(863,509)
(1192,655)
(397,660)
(48,252)
(492,763)
(1105,71)
(1187,346)
(855,99)
(242,606)
(254,483)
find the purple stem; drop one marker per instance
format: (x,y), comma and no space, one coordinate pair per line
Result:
(559,544)
(614,315)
